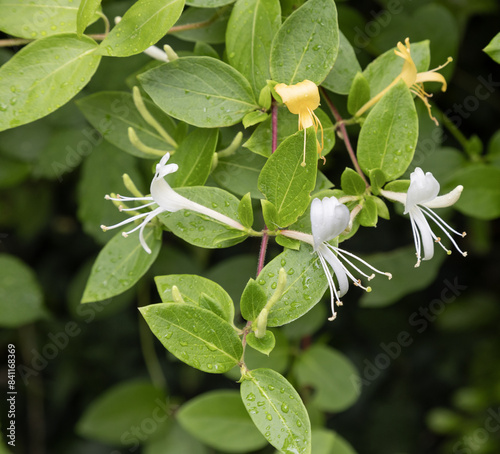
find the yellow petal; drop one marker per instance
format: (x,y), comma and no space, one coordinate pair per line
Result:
(431,76)
(299,97)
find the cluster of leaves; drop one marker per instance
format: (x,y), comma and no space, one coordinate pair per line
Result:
(181,107)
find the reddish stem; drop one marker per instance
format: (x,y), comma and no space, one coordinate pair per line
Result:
(345,136)
(274,145)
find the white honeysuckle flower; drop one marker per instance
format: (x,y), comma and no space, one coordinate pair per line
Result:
(421,197)
(329,218)
(167,200)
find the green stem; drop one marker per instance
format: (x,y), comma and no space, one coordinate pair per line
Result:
(341,124)
(454,131)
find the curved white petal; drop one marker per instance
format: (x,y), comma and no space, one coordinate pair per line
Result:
(395,196)
(426,235)
(150,216)
(423,188)
(338,269)
(445,200)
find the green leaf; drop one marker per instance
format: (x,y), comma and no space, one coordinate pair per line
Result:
(481,195)
(250,32)
(175,439)
(289,243)
(194,290)
(239,172)
(113,112)
(111,417)
(219,419)
(386,67)
(285,182)
(359,94)
(43,76)
(264,344)
(21,298)
(194,158)
(328,442)
(346,66)
(398,186)
(195,335)
(253,118)
(269,213)
(12,172)
(306,45)
(389,134)
(102,174)
(305,285)
(352,183)
(201,91)
(405,277)
(493,48)
(277,411)
(245,210)
(35,20)
(368,216)
(377,180)
(382,210)
(253,300)
(201,230)
(215,30)
(119,265)
(260,140)
(141,26)
(86,13)
(202,49)
(334,378)
(208,3)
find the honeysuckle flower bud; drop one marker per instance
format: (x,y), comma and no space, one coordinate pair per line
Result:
(421,197)
(413,79)
(167,200)
(302,99)
(329,218)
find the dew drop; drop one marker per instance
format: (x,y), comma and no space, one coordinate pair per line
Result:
(284,408)
(183,343)
(169,335)
(290,271)
(271,388)
(283,262)
(251,397)
(299,423)
(269,417)
(262,281)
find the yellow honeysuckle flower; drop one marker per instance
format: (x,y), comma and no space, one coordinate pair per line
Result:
(302,99)
(412,79)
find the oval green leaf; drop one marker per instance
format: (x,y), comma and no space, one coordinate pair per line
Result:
(146,22)
(35,20)
(346,66)
(201,230)
(119,265)
(43,76)
(285,182)
(85,14)
(195,335)
(277,411)
(307,43)
(113,415)
(199,291)
(250,32)
(201,91)
(305,284)
(113,112)
(389,135)
(21,298)
(219,419)
(334,378)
